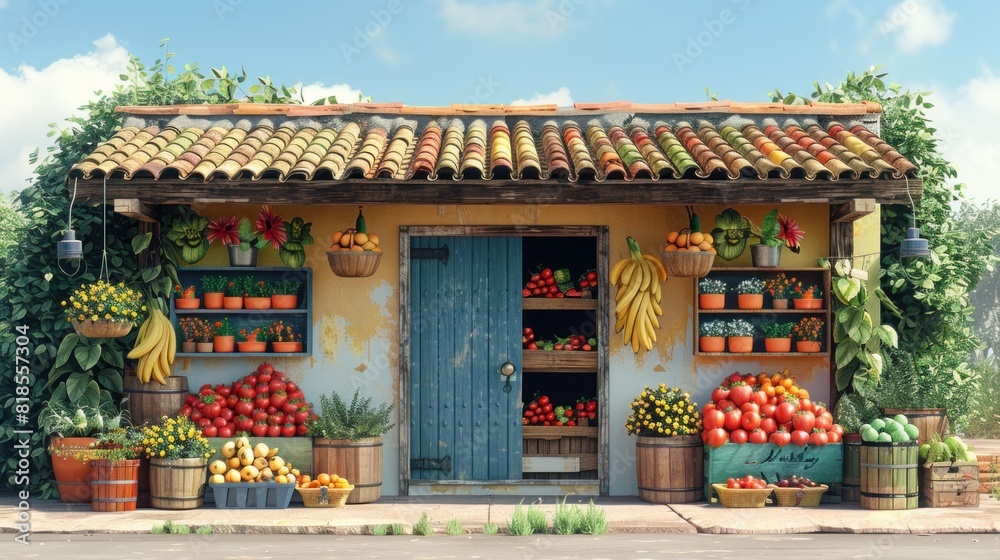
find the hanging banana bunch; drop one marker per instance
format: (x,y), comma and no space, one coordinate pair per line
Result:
(637,302)
(155,347)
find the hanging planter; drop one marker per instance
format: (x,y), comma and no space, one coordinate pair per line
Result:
(355,253)
(101,329)
(103,310)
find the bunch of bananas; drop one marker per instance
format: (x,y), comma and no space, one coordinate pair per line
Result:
(155,347)
(637,303)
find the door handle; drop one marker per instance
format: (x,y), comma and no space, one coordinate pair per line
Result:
(507,371)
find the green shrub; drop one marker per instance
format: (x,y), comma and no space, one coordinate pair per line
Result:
(595,521)
(454,527)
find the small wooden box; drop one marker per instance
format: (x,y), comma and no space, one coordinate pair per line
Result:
(949,484)
(559,452)
(768,461)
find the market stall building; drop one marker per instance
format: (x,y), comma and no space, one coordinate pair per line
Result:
(469,201)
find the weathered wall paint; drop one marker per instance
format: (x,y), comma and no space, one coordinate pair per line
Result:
(357,329)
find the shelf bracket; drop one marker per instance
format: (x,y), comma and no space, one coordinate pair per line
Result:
(439,253)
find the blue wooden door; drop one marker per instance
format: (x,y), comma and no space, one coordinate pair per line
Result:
(465,322)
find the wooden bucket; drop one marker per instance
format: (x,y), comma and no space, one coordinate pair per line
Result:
(927,420)
(850,489)
(669,470)
(177,483)
(889,475)
(360,462)
(114,485)
(149,402)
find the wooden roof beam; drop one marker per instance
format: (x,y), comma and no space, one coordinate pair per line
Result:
(852,210)
(137,209)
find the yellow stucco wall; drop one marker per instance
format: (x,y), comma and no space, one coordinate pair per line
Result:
(356,320)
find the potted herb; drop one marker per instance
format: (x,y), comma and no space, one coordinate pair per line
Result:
(178,455)
(184,298)
(292,251)
(348,441)
(258,295)
(750,293)
(667,424)
(712,293)
(224,339)
(808,334)
(254,340)
(104,310)
(921,393)
(733,231)
(236,289)
(285,294)
(739,333)
(777,336)
(712,335)
(284,339)
(807,296)
(213,288)
(114,469)
(780,288)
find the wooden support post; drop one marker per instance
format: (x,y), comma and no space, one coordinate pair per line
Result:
(841,246)
(136,209)
(851,211)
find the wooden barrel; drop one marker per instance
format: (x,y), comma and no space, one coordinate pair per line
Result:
(927,420)
(177,483)
(850,489)
(114,485)
(889,475)
(149,402)
(668,470)
(360,462)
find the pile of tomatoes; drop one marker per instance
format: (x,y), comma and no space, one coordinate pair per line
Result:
(747,482)
(263,404)
(572,342)
(542,284)
(766,409)
(541,412)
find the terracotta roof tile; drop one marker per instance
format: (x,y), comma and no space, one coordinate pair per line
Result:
(589,142)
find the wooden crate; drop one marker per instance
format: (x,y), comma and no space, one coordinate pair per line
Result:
(946,484)
(559,452)
(559,361)
(768,461)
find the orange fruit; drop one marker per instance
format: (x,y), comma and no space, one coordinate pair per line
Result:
(314,484)
(672,237)
(334,478)
(670,248)
(323,479)
(787,383)
(305,479)
(696,238)
(776,379)
(803,394)
(770,390)
(779,390)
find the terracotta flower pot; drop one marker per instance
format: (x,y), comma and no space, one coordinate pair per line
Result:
(750,301)
(712,343)
(257,303)
(232,302)
(780,303)
(284,301)
(807,346)
(72,475)
(286,347)
(807,303)
(252,346)
(213,300)
(712,301)
(189,346)
(205,346)
(740,344)
(778,344)
(187,303)
(223,343)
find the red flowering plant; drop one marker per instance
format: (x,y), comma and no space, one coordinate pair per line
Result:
(806,291)
(195,329)
(809,328)
(267,229)
(181,292)
(733,231)
(254,335)
(280,332)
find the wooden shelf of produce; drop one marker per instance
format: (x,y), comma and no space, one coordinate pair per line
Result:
(559,449)
(764,354)
(558,304)
(559,361)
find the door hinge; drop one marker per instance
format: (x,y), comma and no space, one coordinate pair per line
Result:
(443,464)
(421,253)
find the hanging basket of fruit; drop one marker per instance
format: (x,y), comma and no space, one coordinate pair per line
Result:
(689,252)
(355,252)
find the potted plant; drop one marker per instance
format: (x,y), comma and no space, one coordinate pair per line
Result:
(73,427)
(114,469)
(236,289)
(254,340)
(188,327)
(780,288)
(258,295)
(712,336)
(921,393)
(285,294)
(750,293)
(292,251)
(666,423)
(733,231)
(213,288)
(186,233)
(284,339)
(224,339)
(184,298)
(244,238)
(178,455)
(739,335)
(712,293)
(104,310)
(348,441)
(777,336)
(808,334)
(808,296)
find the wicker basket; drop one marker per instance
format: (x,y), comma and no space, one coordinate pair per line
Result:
(742,497)
(687,263)
(324,496)
(353,264)
(102,329)
(798,497)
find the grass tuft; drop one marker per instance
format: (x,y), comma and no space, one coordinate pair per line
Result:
(594,521)
(379,530)
(398,529)
(454,527)
(491,529)
(518,524)
(423,527)
(567,519)
(204,530)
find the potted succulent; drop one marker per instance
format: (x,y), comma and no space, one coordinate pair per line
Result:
(114,469)
(807,296)
(712,336)
(178,455)
(712,293)
(808,334)
(285,294)
(348,441)
(733,231)
(258,295)
(666,423)
(184,298)
(777,336)
(224,339)
(213,288)
(254,340)
(284,339)
(750,293)
(739,335)
(780,288)
(104,310)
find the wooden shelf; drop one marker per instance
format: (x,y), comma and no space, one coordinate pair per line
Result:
(240,354)
(558,304)
(759,311)
(556,432)
(565,361)
(774,354)
(203,311)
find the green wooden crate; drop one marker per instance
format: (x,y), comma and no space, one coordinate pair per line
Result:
(766,460)
(296,450)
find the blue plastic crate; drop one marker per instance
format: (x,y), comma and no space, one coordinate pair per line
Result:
(256,495)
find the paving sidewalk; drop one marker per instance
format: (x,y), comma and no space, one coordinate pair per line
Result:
(624,515)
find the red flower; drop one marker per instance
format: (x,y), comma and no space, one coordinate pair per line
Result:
(271,227)
(790,233)
(225,230)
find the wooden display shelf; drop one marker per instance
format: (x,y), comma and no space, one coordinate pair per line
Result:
(760,311)
(774,354)
(558,449)
(202,311)
(558,304)
(556,361)
(241,354)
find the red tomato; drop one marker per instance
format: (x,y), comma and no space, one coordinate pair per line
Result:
(732,421)
(212,410)
(759,397)
(244,424)
(547,408)
(804,420)
(210,431)
(767,410)
(532,405)
(725,405)
(805,404)
(526,292)
(222,390)
(186,410)
(550,417)
(246,391)
(190,400)
(704,436)
(784,412)
(528,414)
(750,379)
(732,483)
(227,414)
(818,438)
(739,436)
(205,390)
(714,419)
(544,399)
(231,401)
(218,421)
(276,385)
(300,417)
(787,426)
(757,435)
(824,423)
(274,430)
(289,408)
(734,377)
(768,425)
(780,438)
(196,415)
(720,393)
(262,401)
(278,398)
(708,407)
(524,421)
(750,420)
(740,394)
(834,437)
(301,430)
(800,437)
(546,273)
(837,429)
(288,430)
(259,415)
(225,432)
(250,380)
(750,407)
(820,410)
(716,437)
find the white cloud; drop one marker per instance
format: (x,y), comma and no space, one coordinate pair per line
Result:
(917,23)
(34,97)
(509,18)
(315,91)
(958,116)
(561,97)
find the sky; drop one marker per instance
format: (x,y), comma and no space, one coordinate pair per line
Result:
(56,53)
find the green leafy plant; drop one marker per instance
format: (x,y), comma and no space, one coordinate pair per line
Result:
(224,328)
(984,407)
(750,286)
(118,444)
(595,521)
(91,413)
(203,530)
(259,288)
(187,238)
(809,329)
(398,529)
(519,526)
(537,519)
(777,330)
(712,286)
(807,291)
(853,411)
(733,231)
(286,287)
(713,327)
(292,251)
(213,283)
(240,286)
(360,420)
(454,527)
(423,526)
(567,519)
(740,327)
(491,529)
(379,530)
